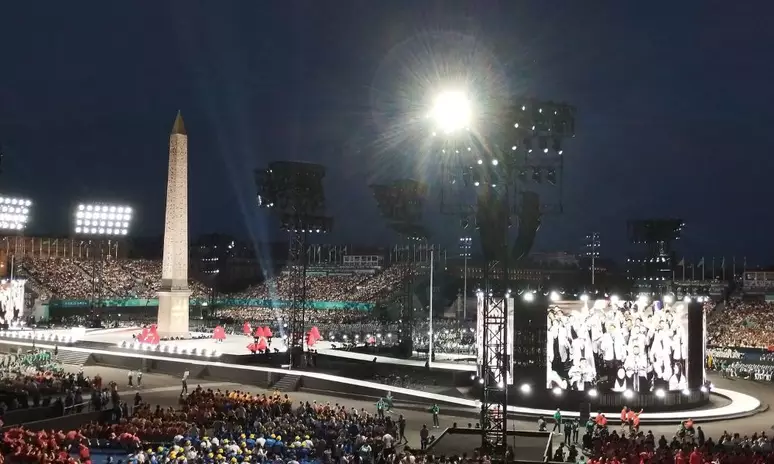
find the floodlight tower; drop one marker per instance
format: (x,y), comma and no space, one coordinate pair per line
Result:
(14,213)
(294,192)
(101,224)
(490,161)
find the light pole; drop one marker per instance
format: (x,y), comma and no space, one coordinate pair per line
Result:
(592,251)
(465,245)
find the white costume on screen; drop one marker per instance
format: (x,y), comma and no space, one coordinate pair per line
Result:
(552,378)
(606,347)
(619,345)
(620,382)
(678,382)
(563,338)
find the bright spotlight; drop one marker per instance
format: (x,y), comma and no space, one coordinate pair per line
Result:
(554,296)
(660,393)
(643,300)
(628,393)
(14,213)
(525,388)
(500,384)
(529,297)
(687,299)
(593,393)
(451,111)
(703,389)
(557,391)
(102,219)
(686,392)
(584,298)
(668,299)
(614,299)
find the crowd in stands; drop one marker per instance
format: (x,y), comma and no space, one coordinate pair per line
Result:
(65,278)
(214,426)
(741,324)
(333,287)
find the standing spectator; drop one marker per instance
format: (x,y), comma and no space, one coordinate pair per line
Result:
(557,420)
(130,374)
(184,381)
(424,436)
(139,379)
(402,429)
(435,410)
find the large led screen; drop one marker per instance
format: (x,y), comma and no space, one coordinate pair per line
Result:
(617,346)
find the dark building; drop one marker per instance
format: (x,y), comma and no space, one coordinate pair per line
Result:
(224,262)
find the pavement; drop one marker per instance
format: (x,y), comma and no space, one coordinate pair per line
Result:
(165,389)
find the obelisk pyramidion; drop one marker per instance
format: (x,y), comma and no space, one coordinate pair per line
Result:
(174,293)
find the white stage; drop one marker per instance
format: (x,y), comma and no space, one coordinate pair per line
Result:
(177,351)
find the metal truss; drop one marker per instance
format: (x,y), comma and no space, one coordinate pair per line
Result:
(297,279)
(494,370)
(405,300)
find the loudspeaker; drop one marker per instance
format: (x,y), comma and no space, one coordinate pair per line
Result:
(696,346)
(585,413)
(529,223)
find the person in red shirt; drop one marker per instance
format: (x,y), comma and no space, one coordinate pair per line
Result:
(680,457)
(83,452)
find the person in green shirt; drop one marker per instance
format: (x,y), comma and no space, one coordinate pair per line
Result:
(380,408)
(435,410)
(557,420)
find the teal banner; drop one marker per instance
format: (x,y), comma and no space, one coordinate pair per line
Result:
(143,302)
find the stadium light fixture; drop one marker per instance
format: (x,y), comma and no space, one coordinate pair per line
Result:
(593,393)
(451,111)
(554,296)
(529,297)
(100,219)
(526,388)
(668,299)
(584,297)
(14,212)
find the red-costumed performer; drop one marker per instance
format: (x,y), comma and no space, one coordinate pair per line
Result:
(310,339)
(315,332)
(246,329)
(267,333)
(143,336)
(153,335)
(219,334)
(252,348)
(262,346)
(258,333)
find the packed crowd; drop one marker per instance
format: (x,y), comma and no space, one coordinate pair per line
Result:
(214,426)
(333,287)
(741,324)
(74,279)
(597,442)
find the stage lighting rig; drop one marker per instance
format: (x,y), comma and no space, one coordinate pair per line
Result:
(401,204)
(14,213)
(294,192)
(504,166)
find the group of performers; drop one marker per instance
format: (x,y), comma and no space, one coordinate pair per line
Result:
(627,346)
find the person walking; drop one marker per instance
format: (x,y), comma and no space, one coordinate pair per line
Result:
(139,379)
(130,375)
(184,381)
(402,429)
(380,408)
(557,421)
(567,431)
(435,410)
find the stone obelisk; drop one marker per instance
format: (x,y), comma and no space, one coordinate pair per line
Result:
(174,293)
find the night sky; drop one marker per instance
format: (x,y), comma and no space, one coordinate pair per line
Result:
(674,107)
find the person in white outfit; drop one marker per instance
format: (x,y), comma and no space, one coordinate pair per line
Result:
(678,381)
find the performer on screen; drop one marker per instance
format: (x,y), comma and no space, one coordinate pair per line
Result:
(678,381)
(619,385)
